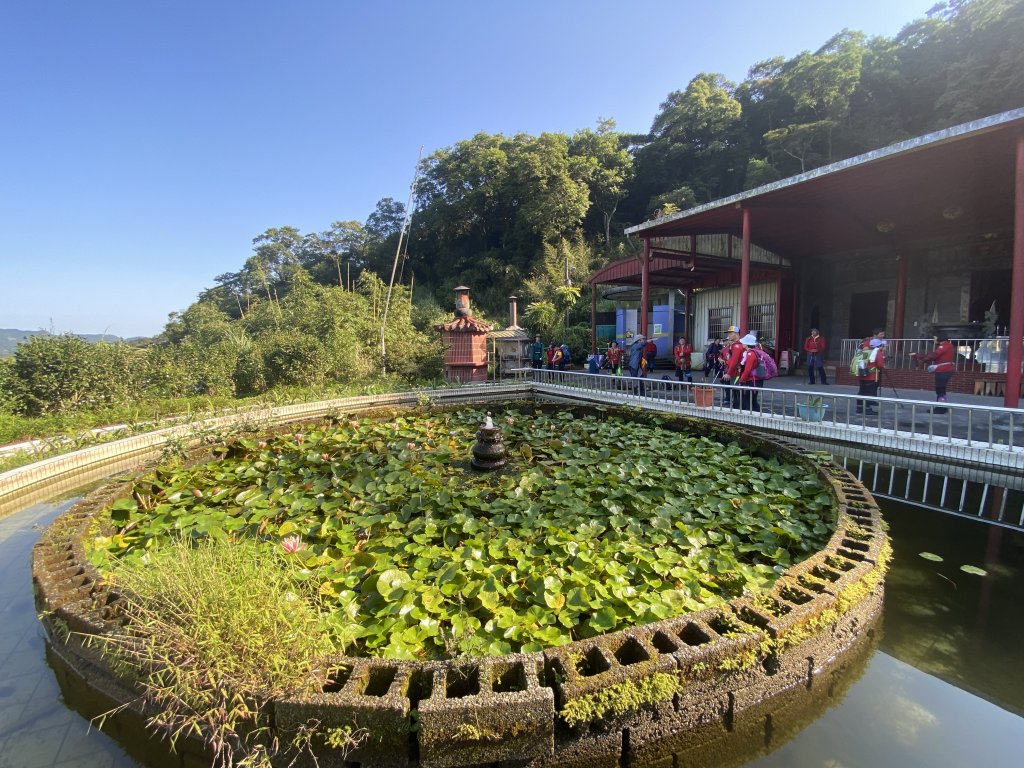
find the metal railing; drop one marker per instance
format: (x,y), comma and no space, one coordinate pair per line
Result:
(978,355)
(886,422)
(934,489)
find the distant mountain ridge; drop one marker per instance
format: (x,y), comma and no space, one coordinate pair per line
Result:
(10,338)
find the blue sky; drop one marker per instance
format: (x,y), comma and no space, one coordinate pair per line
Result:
(144,144)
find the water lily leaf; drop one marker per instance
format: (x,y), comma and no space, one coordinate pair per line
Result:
(930,556)
(391,582)
(974,570)
(365,560)
(603,620)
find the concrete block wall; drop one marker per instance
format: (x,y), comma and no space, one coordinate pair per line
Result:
(508,710)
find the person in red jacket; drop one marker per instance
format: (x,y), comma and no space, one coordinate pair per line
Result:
(650,353)
(732,355)
(872,378)
(682,352)
(746,378)
(941,362)
(814,346)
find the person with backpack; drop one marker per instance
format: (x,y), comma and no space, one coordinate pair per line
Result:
(564,360)
(814,346)
(748,378)
(558,359)
(712,363)
(941,362)
(870,376)
(650,353)
(636,362)
(732,356)
(682,352)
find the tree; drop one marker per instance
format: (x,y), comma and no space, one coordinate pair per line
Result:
(985,73)
(694,142)
(488,205)
(345,242)
(607,168)
(820,85)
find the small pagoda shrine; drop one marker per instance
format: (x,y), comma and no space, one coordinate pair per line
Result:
(465,343)
(511,346)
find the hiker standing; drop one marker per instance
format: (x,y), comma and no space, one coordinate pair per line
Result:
(747,378)
(614,358)
(712,361)
(537,352)
(871,377)
(731,361)
(636,360)
(940,361)
(814,346)
(682,351)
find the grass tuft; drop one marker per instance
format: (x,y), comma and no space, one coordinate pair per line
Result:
(211,625)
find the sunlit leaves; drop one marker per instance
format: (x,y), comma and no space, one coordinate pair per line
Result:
(597,524)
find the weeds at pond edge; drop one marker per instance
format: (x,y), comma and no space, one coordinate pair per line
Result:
(216,633)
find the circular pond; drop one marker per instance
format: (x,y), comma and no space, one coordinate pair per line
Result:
(355,580)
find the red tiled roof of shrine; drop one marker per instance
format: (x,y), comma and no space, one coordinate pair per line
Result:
(465,325)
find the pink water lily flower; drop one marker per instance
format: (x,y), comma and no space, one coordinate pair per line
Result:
(292,543)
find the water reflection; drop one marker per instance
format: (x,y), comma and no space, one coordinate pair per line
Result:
(943,689)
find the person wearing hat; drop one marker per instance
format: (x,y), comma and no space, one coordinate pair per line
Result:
(731,357)
(537,352)
(636,358)
(872,377)
(746,378)
(942,362)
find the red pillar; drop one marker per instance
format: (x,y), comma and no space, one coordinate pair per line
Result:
(593,319)
(688,320)
(899,313)
(745,274)
(645,286)
(1016,331)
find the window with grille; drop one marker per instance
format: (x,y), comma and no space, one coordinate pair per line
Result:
(719,319)
(761,322)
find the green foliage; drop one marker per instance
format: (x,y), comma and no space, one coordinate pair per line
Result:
(213,623)
(851,95)
(597,525)
(66,373)
(314,337)
(10,387)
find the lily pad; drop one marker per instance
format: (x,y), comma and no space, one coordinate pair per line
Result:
(930,556)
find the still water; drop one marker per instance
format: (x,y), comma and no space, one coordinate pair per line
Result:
(943,685)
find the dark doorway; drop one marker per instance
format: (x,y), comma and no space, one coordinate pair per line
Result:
(867,312)
(986,288)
